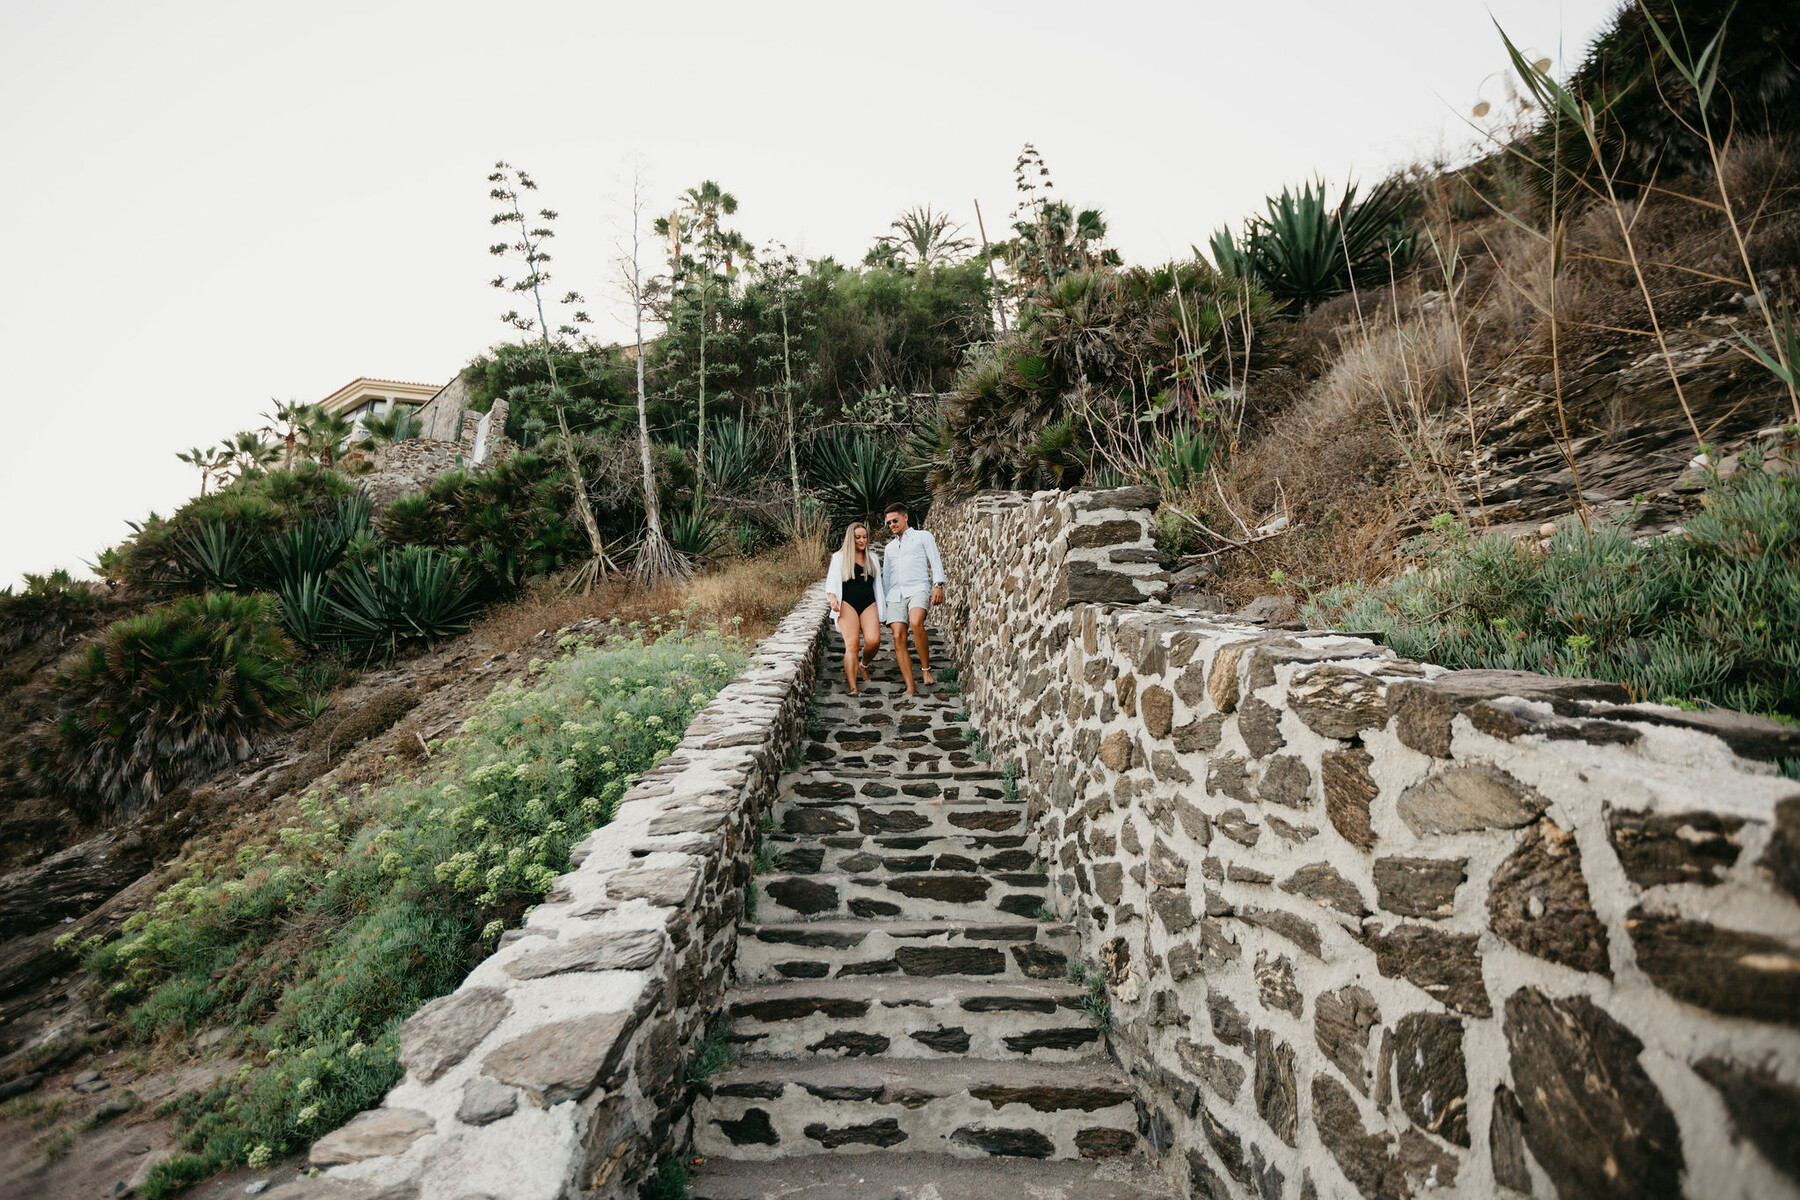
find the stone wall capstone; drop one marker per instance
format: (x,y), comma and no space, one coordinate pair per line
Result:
(1373,928)
(559,1067)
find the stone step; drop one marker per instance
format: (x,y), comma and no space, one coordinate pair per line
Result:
(906,896)
(845,786)
(897,1016)
(1011,949)
(858,854)
(914,817)
(898,1175)
(964,1107)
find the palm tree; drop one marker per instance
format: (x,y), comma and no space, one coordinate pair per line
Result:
(323,433)
(928,238)
(211,463)
(657,560)
(247,451)
(700,210)
(285,422)
(397,426)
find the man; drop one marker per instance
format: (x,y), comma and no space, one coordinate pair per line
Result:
(913,575)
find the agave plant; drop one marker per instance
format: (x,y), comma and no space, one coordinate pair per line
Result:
(735,456)
(306,611)
(164,696)
(694,531)
(1182,457)
(308,549)
(216,556)
(1307,250)
(857,474)
(416,594)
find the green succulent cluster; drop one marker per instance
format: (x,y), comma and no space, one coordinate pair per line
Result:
(1709,616)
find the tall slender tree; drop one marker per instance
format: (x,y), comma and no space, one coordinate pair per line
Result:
(718,253)
(657,559)
(529,249)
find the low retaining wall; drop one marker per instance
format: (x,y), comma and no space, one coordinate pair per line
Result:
(558,1068)
(1373,928)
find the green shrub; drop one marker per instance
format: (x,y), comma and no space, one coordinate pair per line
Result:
(405,597)
(506,525)
(49,604)
(1711,616)
(694,531)
(859,475)
(370,905)
(167,695)
(1305,249)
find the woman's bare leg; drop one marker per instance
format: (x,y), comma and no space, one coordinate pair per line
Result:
(851,628)
(871,639)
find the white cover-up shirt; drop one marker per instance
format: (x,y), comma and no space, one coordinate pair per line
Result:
(834,580)
(913,564)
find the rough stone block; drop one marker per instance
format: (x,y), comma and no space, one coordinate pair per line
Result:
(442,1033)
(564,1060)
(1686,847)
(1468,796)
(1349,789)
(1419,887)
(1429,1074)
(373,1134)
(1446,966)
(614,950)
(1277,1101)
(1338,702)
(1593,1119)
(1342,1020)
(1723,970)
(1538,901)
(1321,883)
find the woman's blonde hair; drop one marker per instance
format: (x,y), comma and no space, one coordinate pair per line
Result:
(848,551)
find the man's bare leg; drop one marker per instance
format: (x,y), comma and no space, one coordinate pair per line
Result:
(903,656)
(923,641)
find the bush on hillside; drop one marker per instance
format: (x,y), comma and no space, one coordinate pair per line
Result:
(160,554)
(53,605)
(1711,616)
(165,696)
(1103,357)
(506,525)
(319,946)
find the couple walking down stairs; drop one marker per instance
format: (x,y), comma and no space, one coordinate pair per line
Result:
(903,1022)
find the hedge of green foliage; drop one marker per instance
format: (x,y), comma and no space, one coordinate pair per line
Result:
(165,695)
(317,947)
(1709,617)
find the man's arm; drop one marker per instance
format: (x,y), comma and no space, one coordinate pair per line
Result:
(938,578)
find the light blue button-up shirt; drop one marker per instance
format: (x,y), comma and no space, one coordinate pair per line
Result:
(910,563)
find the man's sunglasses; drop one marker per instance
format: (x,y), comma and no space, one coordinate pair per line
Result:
(893,521)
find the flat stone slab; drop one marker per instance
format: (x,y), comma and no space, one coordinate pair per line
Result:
(372,1134)
(564,1060)
(903,1176)
(615,950)
(441,1034)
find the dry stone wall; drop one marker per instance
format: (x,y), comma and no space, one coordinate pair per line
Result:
(558,1068)
(1376,929)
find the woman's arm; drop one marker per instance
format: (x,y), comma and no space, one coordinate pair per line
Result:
(875,578)
(834,579)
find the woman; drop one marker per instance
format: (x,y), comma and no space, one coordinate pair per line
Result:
(853,583)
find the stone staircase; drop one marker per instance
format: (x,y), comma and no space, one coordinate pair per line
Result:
(903,1022)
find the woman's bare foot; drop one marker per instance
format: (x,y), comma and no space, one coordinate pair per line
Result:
(929,681)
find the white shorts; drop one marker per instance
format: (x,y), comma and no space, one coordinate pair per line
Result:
(900,604)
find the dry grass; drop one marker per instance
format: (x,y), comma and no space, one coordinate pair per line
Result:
(747,596)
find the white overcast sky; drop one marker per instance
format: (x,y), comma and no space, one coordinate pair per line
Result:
(213,204)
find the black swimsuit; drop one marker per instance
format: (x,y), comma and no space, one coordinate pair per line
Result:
(859,592)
